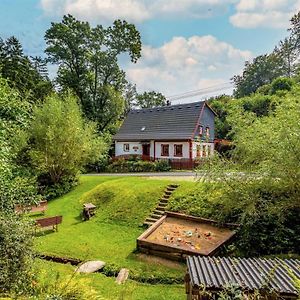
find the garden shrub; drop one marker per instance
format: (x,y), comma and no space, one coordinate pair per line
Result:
(137,165)
(99,166)
(162,165)
(281,84)
(62,142)
(15,188)
(15,255)
(50,190)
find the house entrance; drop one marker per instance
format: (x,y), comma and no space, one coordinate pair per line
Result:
(146,150)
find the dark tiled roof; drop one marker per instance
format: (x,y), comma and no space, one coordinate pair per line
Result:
(168,122)
(249,273)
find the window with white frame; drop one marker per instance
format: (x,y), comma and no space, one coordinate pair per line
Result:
(207,133)
(200,130)
(126,147)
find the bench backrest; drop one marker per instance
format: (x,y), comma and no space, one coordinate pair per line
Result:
(41,206)
(50,221)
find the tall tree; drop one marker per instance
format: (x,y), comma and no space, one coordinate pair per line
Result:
(295,29)
(22,72)
(262,70)
(150,99)
(88,63)
(129,95)
(288,54)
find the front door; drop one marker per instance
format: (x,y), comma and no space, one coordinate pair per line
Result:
(146,150)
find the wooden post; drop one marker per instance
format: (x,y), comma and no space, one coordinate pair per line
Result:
(191,149)
(191,153)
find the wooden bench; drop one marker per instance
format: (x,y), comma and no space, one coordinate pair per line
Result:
(40,207)
(49,221)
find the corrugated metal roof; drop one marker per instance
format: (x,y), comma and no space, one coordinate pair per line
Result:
(167,122)
(249,273)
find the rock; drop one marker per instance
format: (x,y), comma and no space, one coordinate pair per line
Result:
(91,266)
(122,276)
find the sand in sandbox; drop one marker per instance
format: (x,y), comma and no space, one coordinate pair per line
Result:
(189,235)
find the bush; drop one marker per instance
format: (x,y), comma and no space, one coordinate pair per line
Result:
(98,166)
(62,141)
(281,84)
(15,255)
(162,165)
(137,165)
(51,191)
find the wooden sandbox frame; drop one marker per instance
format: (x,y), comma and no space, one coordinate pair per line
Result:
(176,252)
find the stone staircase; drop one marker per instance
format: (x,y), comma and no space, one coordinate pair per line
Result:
(160,209)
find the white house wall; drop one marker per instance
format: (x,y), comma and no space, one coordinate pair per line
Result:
(134,148)
(185,149)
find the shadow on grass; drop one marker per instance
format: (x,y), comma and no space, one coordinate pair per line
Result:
(41,232)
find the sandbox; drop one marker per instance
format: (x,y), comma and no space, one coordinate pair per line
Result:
(176,236)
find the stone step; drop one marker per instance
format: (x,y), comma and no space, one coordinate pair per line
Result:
(161,208)
(156,216)
(171,189)
(148,224)
(173,185)
(163,201)
(159,211)
(151,220)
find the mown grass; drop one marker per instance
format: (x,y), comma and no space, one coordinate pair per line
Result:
(123,203)
(108,289)
(197,199)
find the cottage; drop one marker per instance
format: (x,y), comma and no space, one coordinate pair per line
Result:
(184,131)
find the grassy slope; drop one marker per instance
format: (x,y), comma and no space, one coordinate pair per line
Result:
(111,235)
(194,199)
(108,289)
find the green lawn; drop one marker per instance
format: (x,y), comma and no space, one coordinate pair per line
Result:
(123,203)
(106,287)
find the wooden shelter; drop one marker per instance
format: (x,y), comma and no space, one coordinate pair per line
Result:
(275,278)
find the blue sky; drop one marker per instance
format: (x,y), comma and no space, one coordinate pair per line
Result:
(187,44)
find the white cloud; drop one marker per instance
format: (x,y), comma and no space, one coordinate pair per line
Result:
(135,10)
(186,64)
(248,13)
(102,10)
(264,13)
